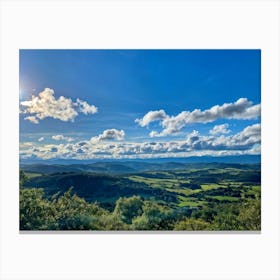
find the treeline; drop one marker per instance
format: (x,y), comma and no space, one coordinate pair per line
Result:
(70,212)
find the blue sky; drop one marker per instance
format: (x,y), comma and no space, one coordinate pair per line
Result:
(118,88)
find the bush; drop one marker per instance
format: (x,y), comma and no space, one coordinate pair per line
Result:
(250,215)
(192,224)
(154,217)
(128,208)
(36,213)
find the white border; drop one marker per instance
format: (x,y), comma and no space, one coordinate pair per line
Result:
(139,24)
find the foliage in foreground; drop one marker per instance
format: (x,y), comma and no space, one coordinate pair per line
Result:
(70,212)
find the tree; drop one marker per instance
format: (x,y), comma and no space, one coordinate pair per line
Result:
(154,217)
(192,224)
(128,208)
(65,212)
(36,213)
(112,222)
(250,215)
(22,178)
(74,213)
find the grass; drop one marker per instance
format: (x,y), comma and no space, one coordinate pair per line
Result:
(158,182)
(225,198)
(256,189)
(174,185)
(182,191)
(253,190)
(206,187)
(190,202)
(32,175)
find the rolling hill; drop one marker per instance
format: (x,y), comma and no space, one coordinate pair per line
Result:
(103,188)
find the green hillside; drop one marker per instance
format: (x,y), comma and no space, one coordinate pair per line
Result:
(205,198)
(102,188)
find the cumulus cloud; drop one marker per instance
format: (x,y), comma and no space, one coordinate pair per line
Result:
(243,140)
(109,134)
(247,141)
(46,105)
(151,117)
(242,109)
(61,138)
(41,139)
(153,134)
(195,143)
(220,129)
(85,108)
(32,119)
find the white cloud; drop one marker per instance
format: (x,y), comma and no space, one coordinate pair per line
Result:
(32,119)
(41,139)
(61,137)
(220,129)
(242,109)
(85,108)
(243,140)
(249,135)
(109,134)
(24,145)
(151,117)
(246,141)
(153,133)
(46,105)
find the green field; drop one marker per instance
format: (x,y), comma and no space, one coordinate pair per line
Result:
(174,184)
(32,174)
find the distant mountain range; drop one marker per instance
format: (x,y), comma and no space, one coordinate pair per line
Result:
(128,167)
(242,159)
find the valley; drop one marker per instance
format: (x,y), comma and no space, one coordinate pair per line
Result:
(183,190)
